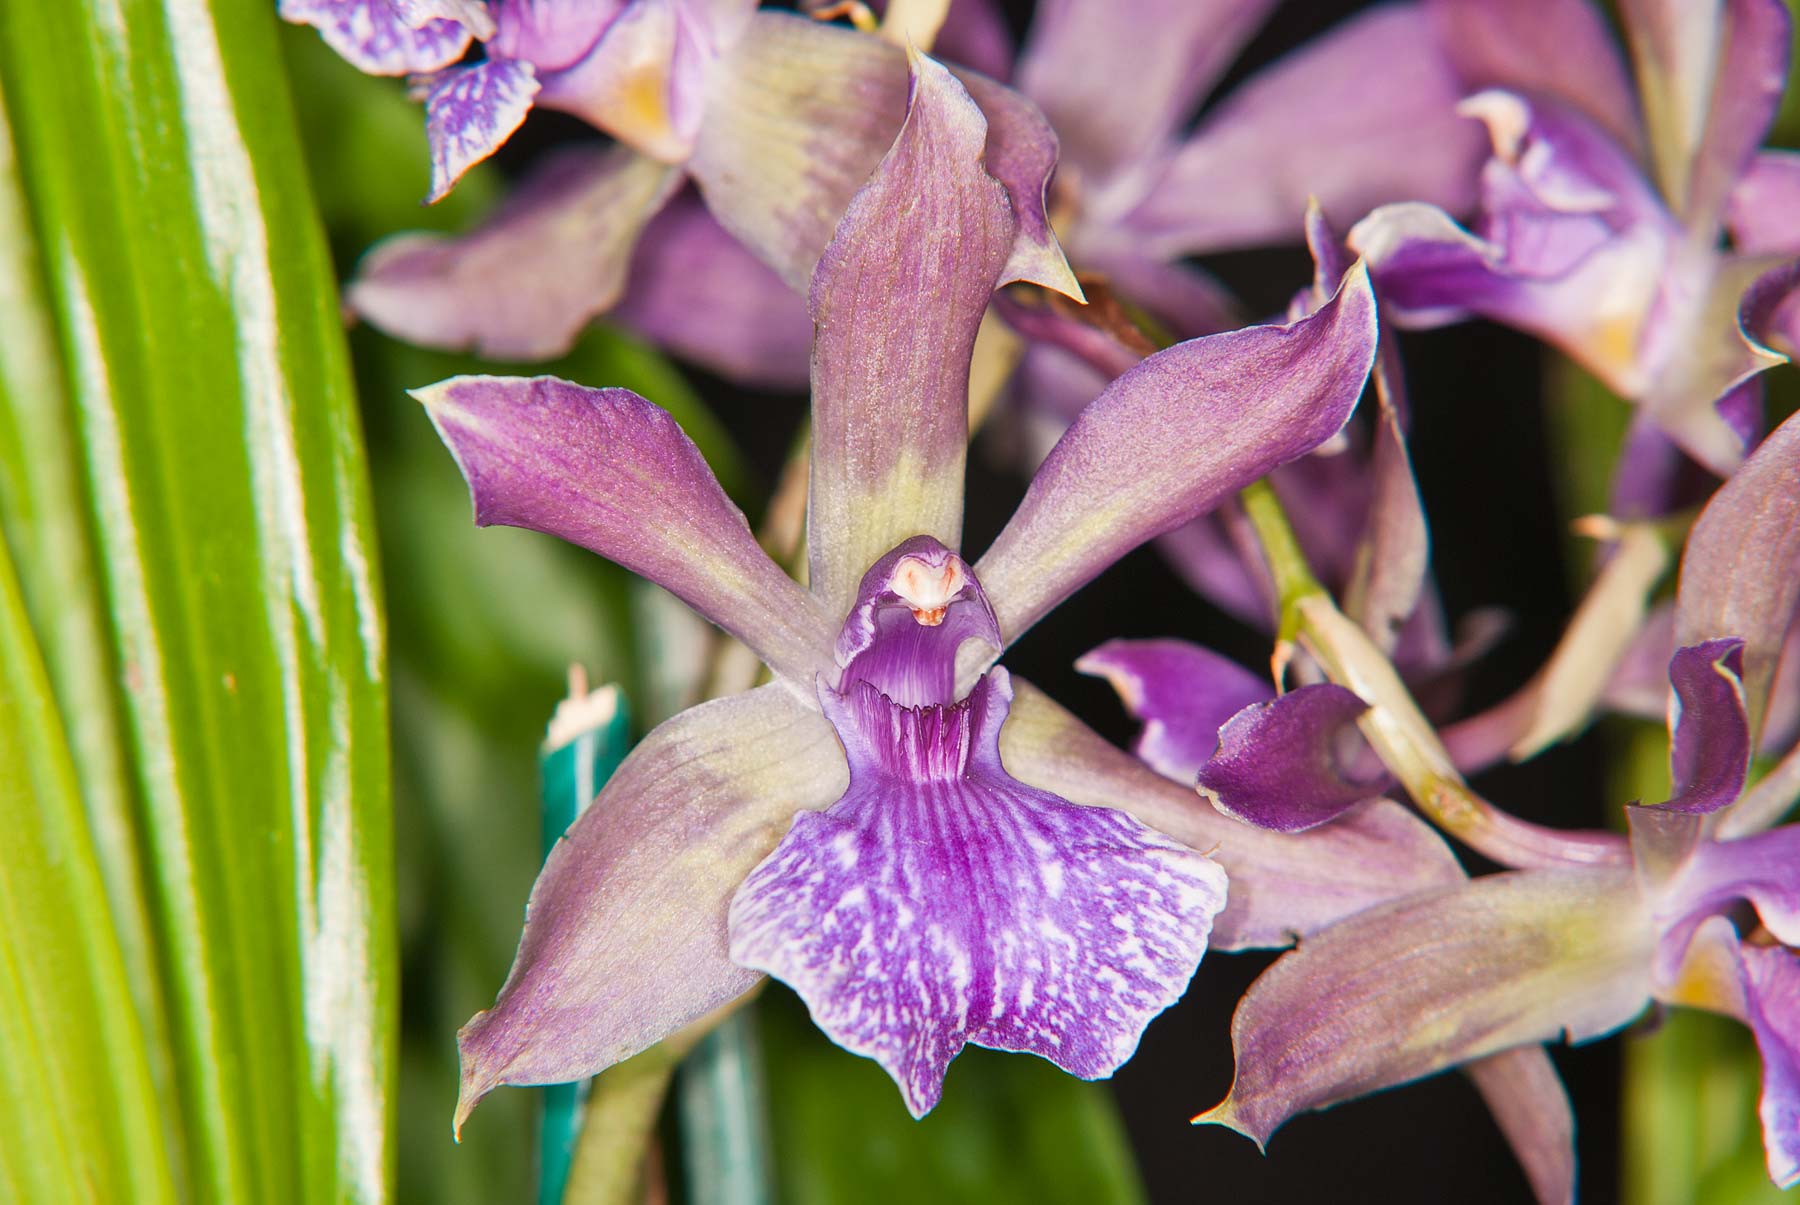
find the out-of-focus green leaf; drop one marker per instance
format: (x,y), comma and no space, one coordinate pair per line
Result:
(1586,425)
(225,489)
(1011,1128)
(1691,1132)
(44,523)
(77,1105)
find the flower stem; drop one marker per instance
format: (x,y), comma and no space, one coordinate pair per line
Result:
(1396,728)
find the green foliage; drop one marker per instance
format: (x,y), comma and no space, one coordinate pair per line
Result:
(1011,1128)
(185,498)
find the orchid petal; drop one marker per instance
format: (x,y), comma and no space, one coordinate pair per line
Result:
(1171,439)
(377,38)
(941,902)
(471,111)
(1022,153)
(1675,46)
(1573,244)
(643,81)
(1710,76)
(1747,87)
(557,251)
(1705,344)
(896,303)
(1740,571)
(1181,692)
(1412,988)
(1772,1003)
(699,293)
(1768,317)
(1709,752)
(1709,758)
(1319,123)
(1282,886)
(1288,764)
(472,14)
(605,469)
(1531,1107)
(1762,870)
(1763,212)
(625,935)
(1560,49)
(1118,89)
(799,114)
(551,35)
(1652,478)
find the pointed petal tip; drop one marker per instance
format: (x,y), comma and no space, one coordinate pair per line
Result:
(479,1077)
(1224,1114)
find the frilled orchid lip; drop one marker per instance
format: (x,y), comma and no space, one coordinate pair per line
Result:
(941,901)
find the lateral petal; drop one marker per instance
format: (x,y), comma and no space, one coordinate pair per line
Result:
(1763,212)
(699,293)
(1171,439)
(1532,1109)
(605,469)
(1709,745)
(625,935)
(1556,48)
(1772,1003)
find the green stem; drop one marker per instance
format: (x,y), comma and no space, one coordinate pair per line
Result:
(1400,734)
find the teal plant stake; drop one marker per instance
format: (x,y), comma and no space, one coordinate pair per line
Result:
(724,1117)
(588,737)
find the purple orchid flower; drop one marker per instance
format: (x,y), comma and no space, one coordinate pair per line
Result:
(1705,914)
(776,119)
(1602,234)
(928,851)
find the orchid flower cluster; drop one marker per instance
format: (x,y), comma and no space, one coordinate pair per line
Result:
(931,852)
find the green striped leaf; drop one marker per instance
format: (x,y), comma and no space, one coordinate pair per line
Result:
(210,451)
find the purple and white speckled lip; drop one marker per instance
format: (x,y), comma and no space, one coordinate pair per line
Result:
(941,902)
